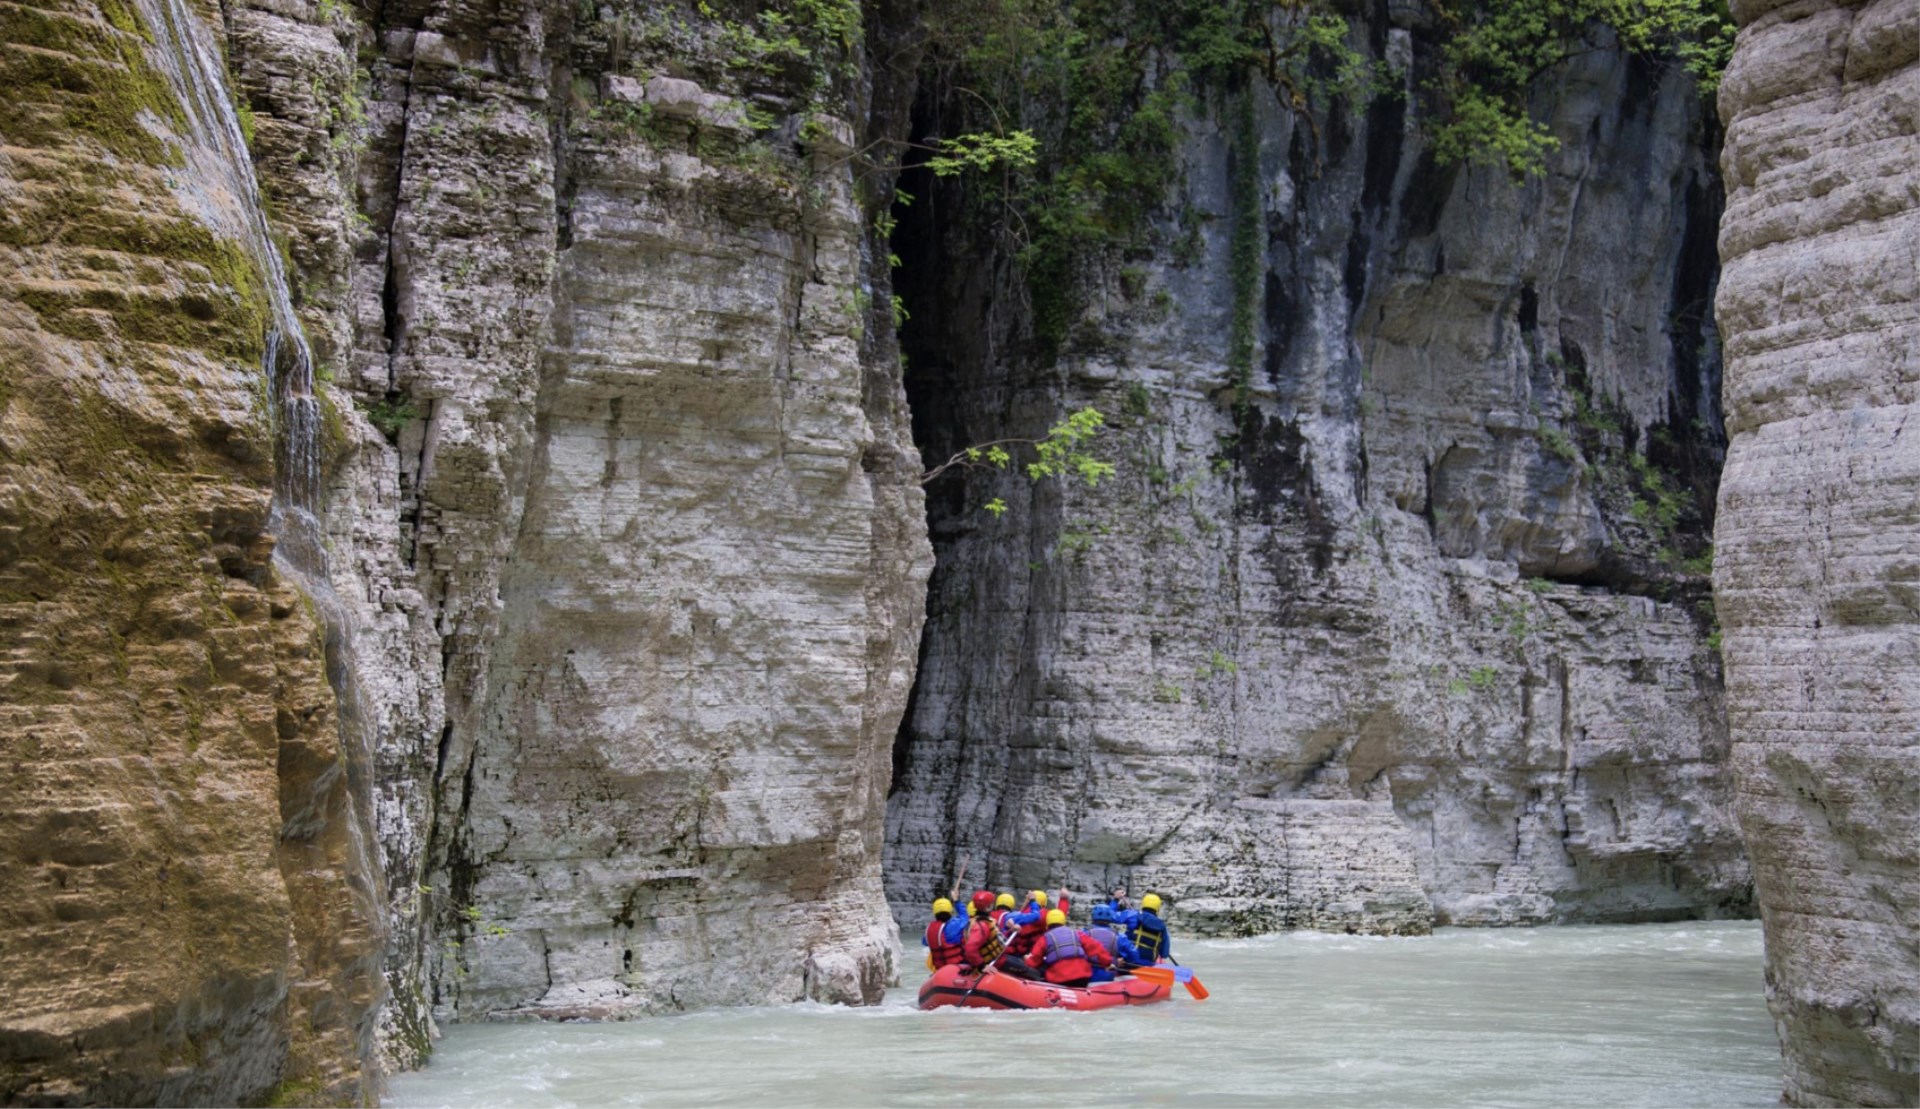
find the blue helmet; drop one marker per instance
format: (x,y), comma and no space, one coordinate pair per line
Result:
(1103,914)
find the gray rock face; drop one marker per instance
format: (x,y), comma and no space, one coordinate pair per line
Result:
(1364,652)
(624,499)
(1820,539)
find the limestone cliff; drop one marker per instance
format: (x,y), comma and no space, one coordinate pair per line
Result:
(629,521)
(1820,539)
(192,912)
(603,557)
(1389,631)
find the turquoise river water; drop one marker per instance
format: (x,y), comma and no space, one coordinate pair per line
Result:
(1641,1015)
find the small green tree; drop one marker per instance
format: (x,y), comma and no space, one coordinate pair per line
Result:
(1065,451)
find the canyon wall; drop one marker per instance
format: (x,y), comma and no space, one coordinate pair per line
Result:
(630,517)
(1406,626)
(193,911)
(577,693)
(1819,574)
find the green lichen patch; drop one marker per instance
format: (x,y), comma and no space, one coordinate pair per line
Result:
(73,73)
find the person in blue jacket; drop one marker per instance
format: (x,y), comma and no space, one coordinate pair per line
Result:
(944,934)
(1148,933)
(1111,938)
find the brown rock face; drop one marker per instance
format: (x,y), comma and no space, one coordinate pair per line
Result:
(189,913)
(1818,571)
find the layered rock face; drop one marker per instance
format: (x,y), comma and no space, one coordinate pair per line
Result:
(1394,630)
(193,915)
(638,559)
(588,702)
(1820,541)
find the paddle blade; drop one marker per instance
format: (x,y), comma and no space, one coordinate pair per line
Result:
(1162,975)
(1194,987)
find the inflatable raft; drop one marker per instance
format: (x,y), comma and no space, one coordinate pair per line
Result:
(953,985)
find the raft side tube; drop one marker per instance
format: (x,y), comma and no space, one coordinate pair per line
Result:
(955,986)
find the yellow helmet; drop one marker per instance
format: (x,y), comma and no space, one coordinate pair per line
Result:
(1151,902)
(1005,901)
(1038,897)
(1055,916)
(942,905)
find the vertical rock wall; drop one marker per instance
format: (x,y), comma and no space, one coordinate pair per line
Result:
(629,520)
(1819,530)
(625,558)
(1390,642)
(191,917)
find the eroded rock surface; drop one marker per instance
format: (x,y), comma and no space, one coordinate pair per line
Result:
(624,559)
(1820,529)
(191,912)
(1388,633)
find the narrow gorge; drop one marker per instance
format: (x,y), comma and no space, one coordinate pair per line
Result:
(468,551)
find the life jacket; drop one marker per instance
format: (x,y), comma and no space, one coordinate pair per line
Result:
(1107,938)
(992,944)
(1062,943)
(1026,935)
(1149,935)
(939,950)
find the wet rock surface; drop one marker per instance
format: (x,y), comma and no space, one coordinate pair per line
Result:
(1818,526)
(191,914)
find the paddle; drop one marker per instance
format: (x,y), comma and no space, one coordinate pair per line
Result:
(1167,976)
(955,892)
(1188,979)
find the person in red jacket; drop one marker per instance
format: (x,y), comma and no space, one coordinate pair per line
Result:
(1030,923)
(1066,954)
(982,943)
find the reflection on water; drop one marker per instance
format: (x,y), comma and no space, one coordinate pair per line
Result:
(1667,1014)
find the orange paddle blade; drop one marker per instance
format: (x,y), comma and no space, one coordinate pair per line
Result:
(1194,987)
(1162,975)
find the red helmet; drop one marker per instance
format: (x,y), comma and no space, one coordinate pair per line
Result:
(983,901)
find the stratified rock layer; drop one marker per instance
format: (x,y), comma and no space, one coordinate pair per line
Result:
(624,555)
(1818,577)
(191,915)
(1354,642)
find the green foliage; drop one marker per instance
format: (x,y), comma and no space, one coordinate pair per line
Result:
(1539,585)
(1167,693)
(1660,505)
(1065,449)
(1713,641)
(1100,85)
(1139,402)
(1500,47)
(979,151)
(817,37)
(1557,443)
(390,415)
(1700,565)
(1483,677)
(1248,253)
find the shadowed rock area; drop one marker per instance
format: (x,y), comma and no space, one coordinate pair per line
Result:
(1385,634)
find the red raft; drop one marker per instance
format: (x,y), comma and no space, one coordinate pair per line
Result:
(954,985)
